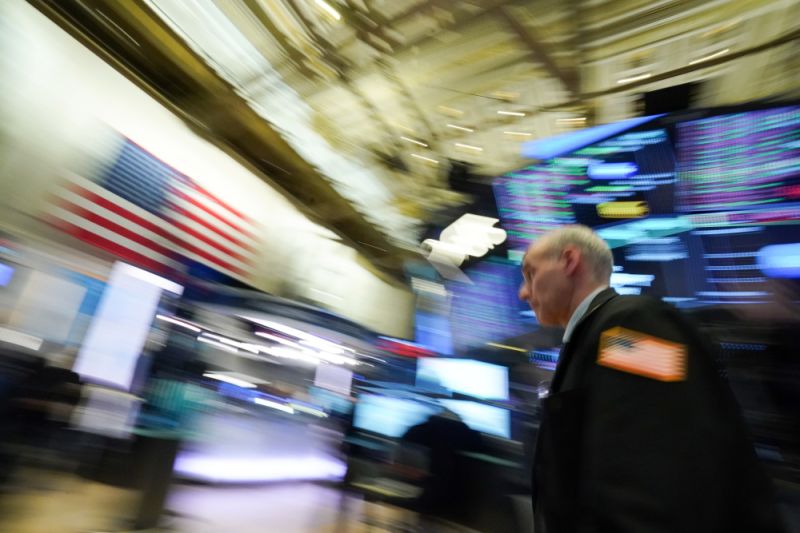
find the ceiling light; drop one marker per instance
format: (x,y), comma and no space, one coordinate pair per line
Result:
(518,133)
(409,139)
(218,344)
(274,405)
(506,95)
(428,159)
(308,410)
(450,110)
(634,78)
(710,56)
(571,120)
(180,323)
(404,127)
(469,147)
(461,128)
(511,113)
(230,379)
(328,9)
(722,28)
(275,338)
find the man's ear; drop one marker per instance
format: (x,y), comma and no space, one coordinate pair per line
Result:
(572,257)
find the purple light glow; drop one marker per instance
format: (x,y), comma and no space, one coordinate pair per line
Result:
(255,469)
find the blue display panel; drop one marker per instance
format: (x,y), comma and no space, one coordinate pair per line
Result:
(697,212)
(480,417)
(464,376)
(389,416)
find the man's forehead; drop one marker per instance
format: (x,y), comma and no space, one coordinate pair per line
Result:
(532,253)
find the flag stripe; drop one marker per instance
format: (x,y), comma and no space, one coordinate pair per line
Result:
(204,239)
(188,245)
(141,209)
(115,206)
(106,240)
(111,225)
(218,202)
(112,247)
(208,209)
(207,225)
(641,354)
(232,273)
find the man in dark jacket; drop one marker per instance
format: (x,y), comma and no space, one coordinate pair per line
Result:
(639,433)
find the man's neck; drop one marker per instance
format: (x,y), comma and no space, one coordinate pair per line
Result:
(579,295)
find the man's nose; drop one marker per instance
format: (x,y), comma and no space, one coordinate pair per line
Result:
(524,293)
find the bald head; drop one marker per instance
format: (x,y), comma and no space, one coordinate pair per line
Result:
(595,253)
(562,268)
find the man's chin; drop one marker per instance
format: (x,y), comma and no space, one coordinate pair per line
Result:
(544,320)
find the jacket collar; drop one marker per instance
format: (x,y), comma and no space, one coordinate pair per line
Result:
(566,354)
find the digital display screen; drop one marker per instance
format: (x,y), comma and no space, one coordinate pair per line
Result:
(390,416)
(6,273)
(697,212)
(484,418)
(464,376)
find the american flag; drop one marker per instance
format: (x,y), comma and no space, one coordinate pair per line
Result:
(145,212)
(641,354)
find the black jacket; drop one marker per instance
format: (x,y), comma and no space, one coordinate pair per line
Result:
(620,452)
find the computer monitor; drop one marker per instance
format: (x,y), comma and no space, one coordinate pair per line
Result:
(389,416)
(480,417)
(464,376)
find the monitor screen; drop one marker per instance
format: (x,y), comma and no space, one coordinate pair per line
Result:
(389,416)
(464,376)
(6,273)
(697,212)
(484,418)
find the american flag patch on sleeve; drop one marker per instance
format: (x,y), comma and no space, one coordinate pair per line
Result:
(642,354)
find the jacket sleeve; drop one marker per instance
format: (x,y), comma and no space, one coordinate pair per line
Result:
(647,433)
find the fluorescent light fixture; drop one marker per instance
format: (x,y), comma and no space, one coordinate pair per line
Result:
(148,277)
(573,120)
(230,379)
(428,159)
(469,147)
(277,339)
(409,139)
(511,113)
(218,344)
(231,342)
(322,344)
(325,6)
(274,405)
(180,323)
(460,128)
(308,410)
(450,110)
(518,133)
(258,468)
(634,78)
(710,56)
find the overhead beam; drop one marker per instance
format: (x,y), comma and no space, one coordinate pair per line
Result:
(540,53)
(166,68)
(331,56)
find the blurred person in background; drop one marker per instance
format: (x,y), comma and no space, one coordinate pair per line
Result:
(639,432)
(441,440)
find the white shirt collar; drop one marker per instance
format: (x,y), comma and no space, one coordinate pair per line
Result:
(581,310)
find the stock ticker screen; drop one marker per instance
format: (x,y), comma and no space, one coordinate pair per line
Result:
(697,212)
